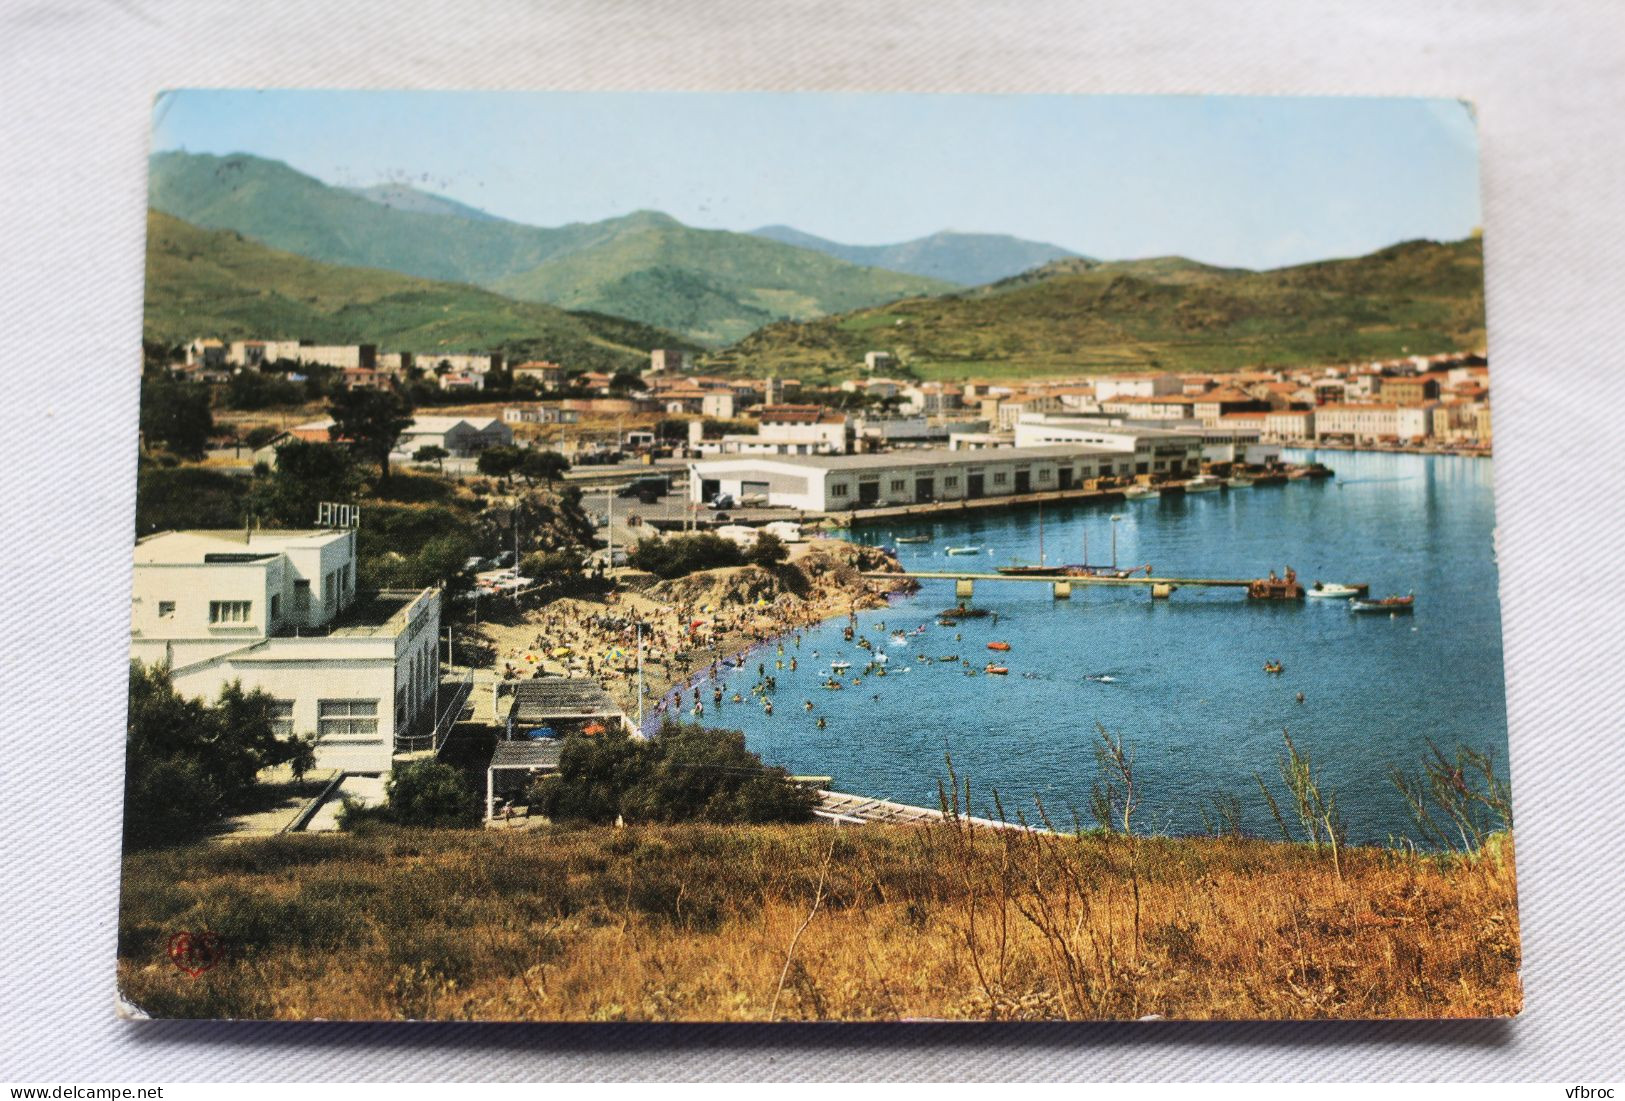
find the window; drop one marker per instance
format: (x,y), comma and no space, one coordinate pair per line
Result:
(282,718)
(346,718)
(898,485)
(166,609)
(1044,474)
(230,612)
(1000,477)
(951,482)
(837,491)
(276,607)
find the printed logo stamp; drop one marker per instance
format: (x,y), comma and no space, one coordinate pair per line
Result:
(195,953)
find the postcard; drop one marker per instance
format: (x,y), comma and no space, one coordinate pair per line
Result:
(787,557)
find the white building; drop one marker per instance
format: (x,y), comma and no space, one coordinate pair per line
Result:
(1108,387)
(1374,421)
(461,436)
(1163,452)
(831,483)
(279,612)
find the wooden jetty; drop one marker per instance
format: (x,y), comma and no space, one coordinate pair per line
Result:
(1258,588)
(857,810)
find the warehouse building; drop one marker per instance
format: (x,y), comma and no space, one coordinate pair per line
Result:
(837,483)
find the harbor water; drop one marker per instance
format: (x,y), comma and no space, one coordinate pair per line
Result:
(1181,680)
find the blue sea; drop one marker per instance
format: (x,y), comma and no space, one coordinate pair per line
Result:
(1180,680)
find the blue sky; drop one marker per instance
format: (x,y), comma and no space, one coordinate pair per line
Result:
(1246,181)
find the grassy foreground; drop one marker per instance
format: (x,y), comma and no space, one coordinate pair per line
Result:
(807,922)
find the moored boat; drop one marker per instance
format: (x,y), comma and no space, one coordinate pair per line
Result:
(912,539)
(1238,481)
(1141,493)
(1336,592)
(964,550)
(1390,604)
(1203,483)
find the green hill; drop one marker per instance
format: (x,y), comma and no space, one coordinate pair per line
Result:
(712,285)
(1076,316)
(218,283)
(965,258)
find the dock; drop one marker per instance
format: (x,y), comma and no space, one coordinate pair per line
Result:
(1258,588)
(858,810)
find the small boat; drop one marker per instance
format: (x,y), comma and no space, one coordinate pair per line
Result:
(1274,667)
(996,670)
(1002,647)
(1141,493)
(1336,592)
(912,539)
(1203,483)
(949,657)
(840,666)
(964,550)
(1238,481)
(947,623)
(1391,604)
(1034,571)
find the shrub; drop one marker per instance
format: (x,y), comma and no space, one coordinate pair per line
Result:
(768,550)
(428,793)
(686,773)
(684,554)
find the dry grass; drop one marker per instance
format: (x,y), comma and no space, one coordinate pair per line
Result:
(712,923)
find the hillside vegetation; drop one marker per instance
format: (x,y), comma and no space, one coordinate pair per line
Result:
(694,922)
(1170,313)
(965,258)
(710,285)
(217,283)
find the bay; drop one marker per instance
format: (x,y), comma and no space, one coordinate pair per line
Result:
(1180,680)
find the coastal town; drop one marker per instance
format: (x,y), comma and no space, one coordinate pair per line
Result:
(657,456)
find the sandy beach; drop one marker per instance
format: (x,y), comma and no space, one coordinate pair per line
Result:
(690,626)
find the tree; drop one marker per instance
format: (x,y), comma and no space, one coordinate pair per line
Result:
(171,498)
(176,415)
(683,554)
(684,774)
(768,550)
(432,794)
(499,462)
(260,435)
(546,465)
(306,474)
(625,382)
(188,761)
(432,453)
(371,421)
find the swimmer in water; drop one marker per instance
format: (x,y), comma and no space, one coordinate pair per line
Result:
(821,723)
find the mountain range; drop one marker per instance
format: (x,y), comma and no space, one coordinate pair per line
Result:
(219,283)
(965,258)
(711,286)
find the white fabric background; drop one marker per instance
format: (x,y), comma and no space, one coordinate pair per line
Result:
(77,80)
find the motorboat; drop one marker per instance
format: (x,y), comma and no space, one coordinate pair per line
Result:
(1238,481)
(1141,493)
(1336,592)
(912,539)
(996,670)
(1203,483)
(1390,604)
(1002,647)
(964,550)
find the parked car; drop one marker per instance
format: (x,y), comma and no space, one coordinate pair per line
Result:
(721,500)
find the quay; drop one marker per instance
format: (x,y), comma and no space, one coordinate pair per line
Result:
(1271,588)
(857,810)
